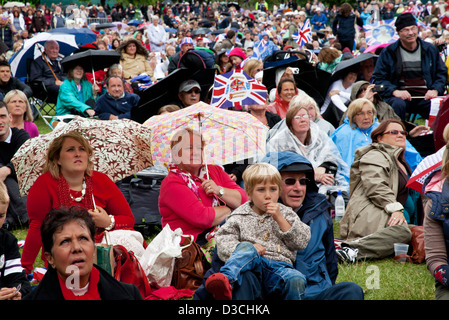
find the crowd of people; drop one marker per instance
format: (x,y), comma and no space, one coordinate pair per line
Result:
(266,226)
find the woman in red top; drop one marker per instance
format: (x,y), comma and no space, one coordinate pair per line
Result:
(68,180)
(191,200)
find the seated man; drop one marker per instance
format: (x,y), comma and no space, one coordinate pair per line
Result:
(318,262)
(411,71)
(189,93)
(8,82)
(40,70)
(116,103)
(11,139)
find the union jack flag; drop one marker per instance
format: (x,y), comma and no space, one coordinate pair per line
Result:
(237,89)
(304,35)
(380,32)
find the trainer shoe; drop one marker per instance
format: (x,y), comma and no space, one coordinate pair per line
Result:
(347,255)
(218,285)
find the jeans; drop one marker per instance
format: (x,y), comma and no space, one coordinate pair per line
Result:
(275,276)
(401,107)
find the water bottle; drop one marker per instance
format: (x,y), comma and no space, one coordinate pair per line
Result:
(339,206)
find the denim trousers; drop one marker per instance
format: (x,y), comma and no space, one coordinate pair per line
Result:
(275,276)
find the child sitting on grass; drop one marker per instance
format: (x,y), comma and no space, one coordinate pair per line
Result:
(13,280)
(261,235)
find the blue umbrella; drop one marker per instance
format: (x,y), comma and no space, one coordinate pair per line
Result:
(134,22)
(172,30)
(82,35)
(19,61)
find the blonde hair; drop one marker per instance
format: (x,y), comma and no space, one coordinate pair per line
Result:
(251,65)
(260,173)
(28,115)
(4,197)
(356,106)
(54,151)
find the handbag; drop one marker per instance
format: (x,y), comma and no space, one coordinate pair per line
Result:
(104,255)
(129,270)
(189,270)
(417,242)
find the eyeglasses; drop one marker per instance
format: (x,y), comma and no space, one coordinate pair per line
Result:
(396,132)
(195,91)
(301,116)
(364,114)
(292,181)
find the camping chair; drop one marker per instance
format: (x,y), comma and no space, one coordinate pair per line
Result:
(45,104)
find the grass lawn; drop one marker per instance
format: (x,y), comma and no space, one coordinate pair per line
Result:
(380,279)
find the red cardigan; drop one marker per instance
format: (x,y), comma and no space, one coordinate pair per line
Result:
(180,208)
(43,197)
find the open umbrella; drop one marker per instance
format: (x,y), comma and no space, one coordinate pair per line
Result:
(230,136)
(344,66)
(12,4)
(30,50)
(165,91)
(121,148)
(424,169)
(82,35)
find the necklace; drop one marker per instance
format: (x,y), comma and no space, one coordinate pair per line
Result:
(83,192)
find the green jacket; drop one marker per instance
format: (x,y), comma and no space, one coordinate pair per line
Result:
(70,102)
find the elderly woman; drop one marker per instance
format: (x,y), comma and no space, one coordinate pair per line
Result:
(134,59)
(356,130)
(194,196)
(380,206)
(76,94)
(68,180)
(285,91)
(435,222)
(68,244)
(305,138)
(20,112)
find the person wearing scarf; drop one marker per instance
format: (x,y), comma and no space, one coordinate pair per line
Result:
(69,247)
(68,180)
(285,91)
(195,196)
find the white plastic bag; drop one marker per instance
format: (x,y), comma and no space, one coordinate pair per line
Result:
(158,259)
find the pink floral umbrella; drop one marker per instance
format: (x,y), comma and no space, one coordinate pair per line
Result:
(121,148)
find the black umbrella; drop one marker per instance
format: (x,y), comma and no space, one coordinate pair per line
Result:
(234,4)
(351,64)
(309,78)
(199,31)
(105,26)
(165,91)
(91,60)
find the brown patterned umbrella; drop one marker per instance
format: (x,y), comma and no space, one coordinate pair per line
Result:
(121,148)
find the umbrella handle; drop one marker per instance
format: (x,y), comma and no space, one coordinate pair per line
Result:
(43,55)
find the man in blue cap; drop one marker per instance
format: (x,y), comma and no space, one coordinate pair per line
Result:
(318,262)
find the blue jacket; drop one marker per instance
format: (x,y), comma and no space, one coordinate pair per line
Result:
(318,261)
(388,68)
(319,18)
(348,140)
(121,107)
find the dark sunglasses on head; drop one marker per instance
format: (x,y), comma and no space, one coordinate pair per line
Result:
(396,132)
(292,181)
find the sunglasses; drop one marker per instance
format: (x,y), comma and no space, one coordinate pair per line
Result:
(292,181)
(196,91)
(396,132)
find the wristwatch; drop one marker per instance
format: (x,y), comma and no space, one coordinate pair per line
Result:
(221,192)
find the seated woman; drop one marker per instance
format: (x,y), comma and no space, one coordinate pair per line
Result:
(76,95)
(285,91)
(134,59)
(68,242)
(380,206)
(20,112)
(252,67)
(356,130)
(435,222)
(194,196)
(68,180)
(338,96)
(305,138)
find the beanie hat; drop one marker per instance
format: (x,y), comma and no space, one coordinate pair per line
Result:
(237,52)
(405,20)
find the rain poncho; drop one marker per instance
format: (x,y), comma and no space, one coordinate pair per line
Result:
(348,140)
(321,149)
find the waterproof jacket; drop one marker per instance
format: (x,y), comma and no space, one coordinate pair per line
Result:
(373,190)
(389,63)
(318,261)
(69,100)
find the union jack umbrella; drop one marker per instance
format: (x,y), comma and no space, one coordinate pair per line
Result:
(236,89)
(304,35)
(424,169)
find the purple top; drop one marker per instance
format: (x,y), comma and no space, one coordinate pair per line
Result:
(31,128)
